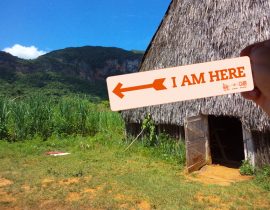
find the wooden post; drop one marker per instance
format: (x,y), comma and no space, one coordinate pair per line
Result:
(248,146)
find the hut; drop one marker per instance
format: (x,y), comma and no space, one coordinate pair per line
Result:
(224,129)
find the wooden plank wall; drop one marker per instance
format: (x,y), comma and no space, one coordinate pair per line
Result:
(132,129)
(175,131)
(262,148)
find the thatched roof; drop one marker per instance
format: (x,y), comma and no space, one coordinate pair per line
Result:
(199,31)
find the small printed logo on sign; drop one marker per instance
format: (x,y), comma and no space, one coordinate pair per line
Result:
(180,83)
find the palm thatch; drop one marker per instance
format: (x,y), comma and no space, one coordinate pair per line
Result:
(199,31)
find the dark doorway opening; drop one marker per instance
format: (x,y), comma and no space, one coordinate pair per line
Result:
(226,141)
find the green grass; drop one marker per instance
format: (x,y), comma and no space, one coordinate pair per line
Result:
(246,168)
(98,174)
(263,177)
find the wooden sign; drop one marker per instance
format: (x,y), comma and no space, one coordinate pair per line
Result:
(180,83)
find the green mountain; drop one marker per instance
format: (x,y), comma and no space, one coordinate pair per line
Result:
(80,70)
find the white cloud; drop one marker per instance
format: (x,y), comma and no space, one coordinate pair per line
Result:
(24,52)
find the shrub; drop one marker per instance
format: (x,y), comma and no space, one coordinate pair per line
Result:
(246,168)
(172,148)
(149,128)
(263,177)
(164,145)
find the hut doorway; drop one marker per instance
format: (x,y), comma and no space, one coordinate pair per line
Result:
(226,141)
(217,140)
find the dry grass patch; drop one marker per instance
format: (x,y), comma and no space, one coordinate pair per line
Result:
(46,182)
(5,182)
(144,205)
(219,175)
(73,196)
(6,197)
(69,181)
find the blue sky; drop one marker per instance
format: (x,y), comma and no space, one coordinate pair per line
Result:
(56,24)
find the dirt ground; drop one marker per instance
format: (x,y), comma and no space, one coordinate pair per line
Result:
(71,197)
(219,175)
(212,174)
(4,196)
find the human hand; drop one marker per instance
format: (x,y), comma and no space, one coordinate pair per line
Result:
(259,54)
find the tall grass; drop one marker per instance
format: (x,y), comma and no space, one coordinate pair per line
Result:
(19,125)
(40,116)
(167,148)
(22,119)
(4,113)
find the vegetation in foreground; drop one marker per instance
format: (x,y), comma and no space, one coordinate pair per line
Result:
(24,118)
(100,172)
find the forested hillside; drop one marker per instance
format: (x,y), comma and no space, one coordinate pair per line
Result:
(80,70)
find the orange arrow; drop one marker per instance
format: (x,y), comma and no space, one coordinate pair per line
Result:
(157,85)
